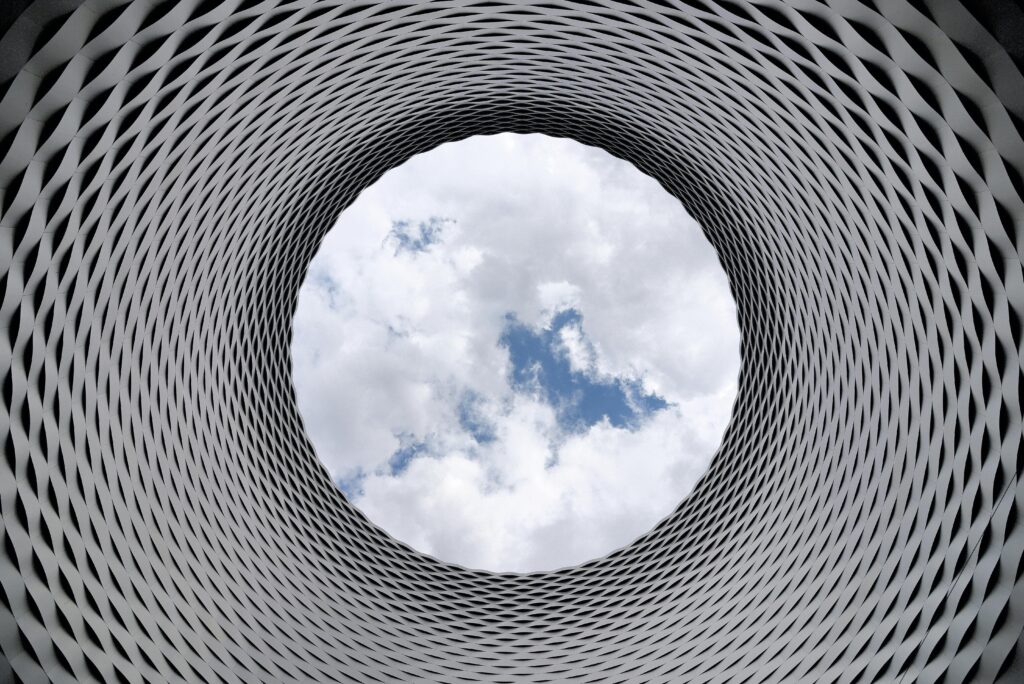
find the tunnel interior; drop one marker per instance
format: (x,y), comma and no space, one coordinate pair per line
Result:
(167,171)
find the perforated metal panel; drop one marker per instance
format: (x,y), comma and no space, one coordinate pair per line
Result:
(168,169)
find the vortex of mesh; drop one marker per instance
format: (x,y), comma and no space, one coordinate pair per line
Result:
(168,169)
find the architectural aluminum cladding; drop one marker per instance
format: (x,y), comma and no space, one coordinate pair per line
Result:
(168,168)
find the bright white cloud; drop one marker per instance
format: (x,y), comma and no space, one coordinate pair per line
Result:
(405,387)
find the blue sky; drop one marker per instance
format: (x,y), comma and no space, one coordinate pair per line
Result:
(416,236)
(515,353)
(539,365)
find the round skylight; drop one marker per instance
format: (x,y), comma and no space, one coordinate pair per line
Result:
(516,352)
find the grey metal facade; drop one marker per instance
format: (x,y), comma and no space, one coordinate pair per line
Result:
(167,170)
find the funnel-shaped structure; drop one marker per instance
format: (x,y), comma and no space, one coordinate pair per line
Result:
(167,170)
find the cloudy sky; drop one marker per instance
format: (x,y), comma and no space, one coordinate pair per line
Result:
(515,353)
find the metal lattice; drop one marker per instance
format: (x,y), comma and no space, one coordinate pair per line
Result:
(167,170)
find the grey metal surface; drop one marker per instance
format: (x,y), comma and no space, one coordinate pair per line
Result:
(168,169)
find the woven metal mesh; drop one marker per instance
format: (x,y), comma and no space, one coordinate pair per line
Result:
(168,169)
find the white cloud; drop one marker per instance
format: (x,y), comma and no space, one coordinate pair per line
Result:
(393,344)
(581,352)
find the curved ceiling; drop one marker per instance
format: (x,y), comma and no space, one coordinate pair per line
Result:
(168,169)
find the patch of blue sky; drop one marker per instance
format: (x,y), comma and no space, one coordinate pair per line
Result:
(410,448)
(472,421)
(323,281)
(416,237)
(540,365)
(352,486)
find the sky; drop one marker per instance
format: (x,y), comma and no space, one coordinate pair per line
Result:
(515,353)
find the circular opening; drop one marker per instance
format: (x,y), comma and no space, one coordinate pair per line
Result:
(515,352)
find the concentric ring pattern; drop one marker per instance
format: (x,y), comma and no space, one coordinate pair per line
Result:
(167,170)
